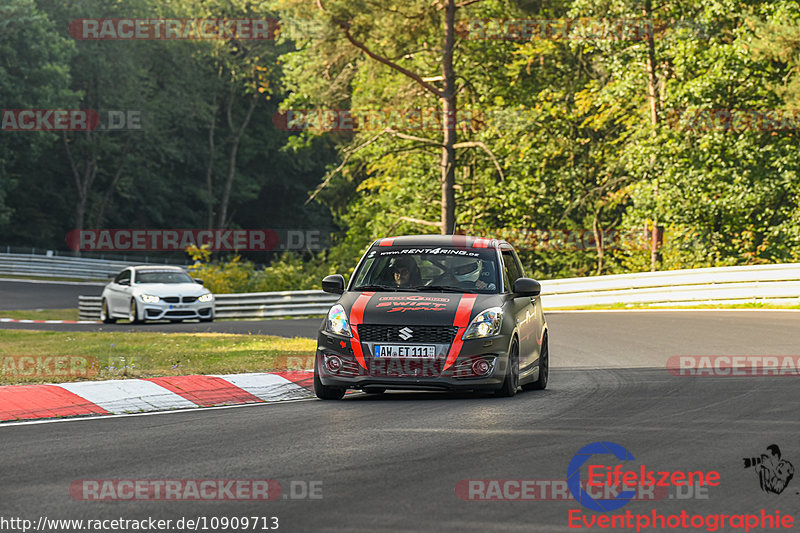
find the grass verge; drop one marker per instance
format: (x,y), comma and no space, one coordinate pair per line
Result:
(41,314)
(57,357)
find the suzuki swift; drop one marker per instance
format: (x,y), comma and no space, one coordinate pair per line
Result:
(433,312)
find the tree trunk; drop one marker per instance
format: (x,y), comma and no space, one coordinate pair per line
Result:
(449,121)
(652,83)
(598,242)
(83,184)
(237,136)
(210,166)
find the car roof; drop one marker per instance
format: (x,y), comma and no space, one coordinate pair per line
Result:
(156,267)
(458,241)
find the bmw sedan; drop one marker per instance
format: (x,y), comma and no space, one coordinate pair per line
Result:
(141,293)
(444,312)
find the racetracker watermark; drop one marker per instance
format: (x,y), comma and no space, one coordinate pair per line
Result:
(557,490)
(42,366)
(734,365)
(576,239)
(733,120)
(99,490)
(63,120)
(420,119)
(577,28)
(131,29)
(216,240)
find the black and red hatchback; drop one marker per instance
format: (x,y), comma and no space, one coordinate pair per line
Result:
(425,312)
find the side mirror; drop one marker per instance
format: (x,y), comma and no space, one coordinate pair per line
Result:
(333,284)
(124,282)
(527,287)
(200,281)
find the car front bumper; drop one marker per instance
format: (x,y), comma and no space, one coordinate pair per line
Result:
(413,373)
(167,311)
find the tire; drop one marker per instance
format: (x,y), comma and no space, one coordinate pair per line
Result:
(326,393)
(544,368)
(374,390)
(133,313)
(105,317)
(511,383)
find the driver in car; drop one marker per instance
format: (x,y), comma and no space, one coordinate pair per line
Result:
(466,272)
(405,272)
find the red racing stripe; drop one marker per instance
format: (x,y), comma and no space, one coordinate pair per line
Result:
(461,321)
(356,318)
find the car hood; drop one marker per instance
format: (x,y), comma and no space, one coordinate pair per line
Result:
(415,308)
(170,289)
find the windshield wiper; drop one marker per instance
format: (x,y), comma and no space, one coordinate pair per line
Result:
(447,288)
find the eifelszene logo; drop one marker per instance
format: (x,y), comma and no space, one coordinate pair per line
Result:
(774,473)
(612,477)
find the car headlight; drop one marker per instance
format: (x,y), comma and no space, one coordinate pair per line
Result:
(337,321)
(206,298)
(485,324)
(149,298)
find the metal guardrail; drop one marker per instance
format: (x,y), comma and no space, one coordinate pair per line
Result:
(248,305)
(88,308)
(272,304)
(719,285)
(44,266)
(722,285)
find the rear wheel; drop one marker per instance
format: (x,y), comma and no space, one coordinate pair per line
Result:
(511,383)
(544,368)
(133,313)
(105,316)
(324,392)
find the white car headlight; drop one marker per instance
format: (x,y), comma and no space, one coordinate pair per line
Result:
(485,324)
(337,321)
(149,298)
(206,298)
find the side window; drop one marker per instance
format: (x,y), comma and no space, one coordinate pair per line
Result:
(122,276)
(511,269)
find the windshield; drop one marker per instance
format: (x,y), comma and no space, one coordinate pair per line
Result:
(162,276)
(428,269)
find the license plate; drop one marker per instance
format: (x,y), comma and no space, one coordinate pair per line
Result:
(400,350)
(177,306)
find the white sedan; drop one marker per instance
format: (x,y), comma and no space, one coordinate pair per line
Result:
(141,293)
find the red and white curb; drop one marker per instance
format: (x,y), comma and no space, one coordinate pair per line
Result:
(27,321)
(29,402)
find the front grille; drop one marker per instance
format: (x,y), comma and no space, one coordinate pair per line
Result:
(171,299)
(179,313)
(432,334)
(189,299)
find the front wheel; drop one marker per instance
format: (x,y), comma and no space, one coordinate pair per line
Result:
(133,313)
(544,368)
(324,392)
(105,316)
(511,383)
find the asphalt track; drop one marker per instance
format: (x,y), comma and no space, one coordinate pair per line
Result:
(26,294)
(392,462)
